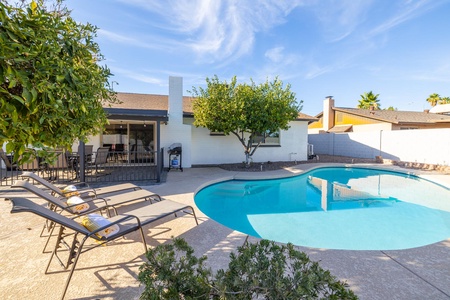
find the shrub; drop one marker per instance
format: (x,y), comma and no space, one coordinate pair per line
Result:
(263,270)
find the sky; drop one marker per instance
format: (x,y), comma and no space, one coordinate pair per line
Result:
(399,49)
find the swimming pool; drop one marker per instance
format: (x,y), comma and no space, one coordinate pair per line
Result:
(334,208)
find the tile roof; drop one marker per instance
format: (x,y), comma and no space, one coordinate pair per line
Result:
(149,102)
(396,116)
(135,101)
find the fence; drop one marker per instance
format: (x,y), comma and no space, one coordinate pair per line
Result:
(430,146)
(98,168)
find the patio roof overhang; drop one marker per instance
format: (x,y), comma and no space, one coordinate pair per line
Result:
(136,114)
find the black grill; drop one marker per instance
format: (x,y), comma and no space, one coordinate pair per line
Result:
(175,156)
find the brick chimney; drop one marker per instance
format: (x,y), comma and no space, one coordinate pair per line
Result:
(328,113)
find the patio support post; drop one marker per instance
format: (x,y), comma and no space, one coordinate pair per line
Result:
(158,152)
(81,160)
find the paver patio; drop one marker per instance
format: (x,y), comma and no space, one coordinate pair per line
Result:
(111,272)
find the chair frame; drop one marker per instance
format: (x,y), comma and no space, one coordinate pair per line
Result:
(85,188)
(76,248)
(128,222)
(95,204)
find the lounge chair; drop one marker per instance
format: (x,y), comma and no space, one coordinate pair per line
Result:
(131,221)
(83,187)
(97,204)
(107,202)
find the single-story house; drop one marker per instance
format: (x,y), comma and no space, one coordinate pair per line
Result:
(341,119)
(154,122)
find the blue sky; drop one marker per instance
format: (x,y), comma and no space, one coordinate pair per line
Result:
(399,49)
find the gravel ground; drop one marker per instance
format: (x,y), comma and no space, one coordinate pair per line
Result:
(276,165)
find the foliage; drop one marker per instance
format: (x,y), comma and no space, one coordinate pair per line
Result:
(391,108)
(257,271)
(51,85)
(369,100)
(435,99)
(172,270)
(245,110)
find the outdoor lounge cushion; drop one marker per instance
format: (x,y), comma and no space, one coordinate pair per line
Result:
(93,222)
(77,205)
(69,191)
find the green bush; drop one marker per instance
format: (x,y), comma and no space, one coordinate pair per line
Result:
(263,270)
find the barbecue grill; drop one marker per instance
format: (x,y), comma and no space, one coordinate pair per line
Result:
(175,156)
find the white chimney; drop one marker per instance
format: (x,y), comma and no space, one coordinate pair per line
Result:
(175,109)
(328,113)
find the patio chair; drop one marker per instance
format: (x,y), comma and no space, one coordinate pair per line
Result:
(101,158)
(130,222)
(88,152)
(9,165)
(82,187)
(61,164)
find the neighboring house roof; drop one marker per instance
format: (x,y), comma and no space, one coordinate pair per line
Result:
(138,106)
(341,128)
(441,109)
(396,116)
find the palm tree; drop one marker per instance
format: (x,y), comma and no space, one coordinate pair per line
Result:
(445,100)
(369,100)
(434,99)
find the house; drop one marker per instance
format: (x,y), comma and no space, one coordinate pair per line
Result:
(340,119)
(155,122)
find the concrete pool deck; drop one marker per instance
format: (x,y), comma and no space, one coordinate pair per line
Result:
(111,272)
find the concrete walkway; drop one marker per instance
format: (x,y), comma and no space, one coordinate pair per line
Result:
(111,272)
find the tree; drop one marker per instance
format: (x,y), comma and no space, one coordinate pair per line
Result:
(445,100)
(51,85)
(369,100)
(391,108)
(244,110)
(434,99)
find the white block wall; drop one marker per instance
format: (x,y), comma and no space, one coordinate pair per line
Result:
(424,146)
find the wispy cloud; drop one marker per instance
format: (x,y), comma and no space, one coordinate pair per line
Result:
(139,76)
(221,29)
(408,10)
(340,18)
(143,41)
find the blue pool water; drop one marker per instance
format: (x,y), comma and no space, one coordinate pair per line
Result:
(334,208)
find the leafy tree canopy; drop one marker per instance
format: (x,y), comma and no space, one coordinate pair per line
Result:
(244,110)
(369,100)
(51,85)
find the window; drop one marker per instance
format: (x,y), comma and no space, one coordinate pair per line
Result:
(267,138)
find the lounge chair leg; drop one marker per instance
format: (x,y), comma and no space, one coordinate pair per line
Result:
(143,240)
(73,268)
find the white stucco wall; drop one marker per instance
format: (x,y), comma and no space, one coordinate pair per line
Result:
(372,127)
(207,149)
(424,146)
